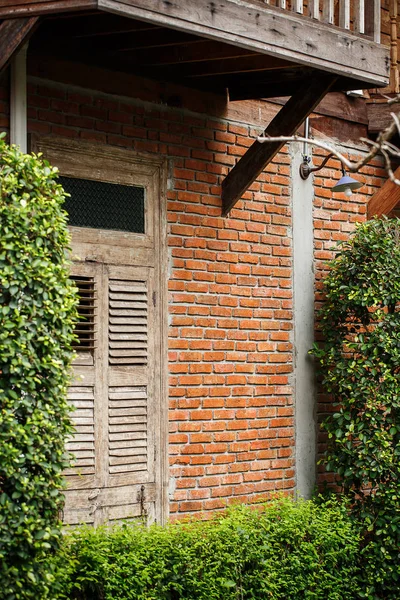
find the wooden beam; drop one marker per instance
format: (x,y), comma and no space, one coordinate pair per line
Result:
(286,122)
(339,106)
(264,29)
(385,199)
(14,33)
(379,115)
(23,8)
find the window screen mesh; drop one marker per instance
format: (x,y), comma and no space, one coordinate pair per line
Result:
(101,205)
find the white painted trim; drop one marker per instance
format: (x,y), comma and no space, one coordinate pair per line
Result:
(303,298)
(18,104)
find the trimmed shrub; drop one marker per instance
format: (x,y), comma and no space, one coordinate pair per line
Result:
(279,551)
(37,312)
(360,365)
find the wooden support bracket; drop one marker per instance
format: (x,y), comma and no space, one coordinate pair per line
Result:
(286,123)
(14,33)
(385,199)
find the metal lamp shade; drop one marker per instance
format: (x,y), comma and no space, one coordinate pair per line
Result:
(347,182)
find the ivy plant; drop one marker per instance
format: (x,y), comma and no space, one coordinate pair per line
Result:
(360,365)
(37,315)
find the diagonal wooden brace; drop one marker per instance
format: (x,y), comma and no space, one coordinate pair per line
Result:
(286,122)
(385,199)
(14,33)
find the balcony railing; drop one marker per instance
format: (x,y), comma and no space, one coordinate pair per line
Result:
(361,17)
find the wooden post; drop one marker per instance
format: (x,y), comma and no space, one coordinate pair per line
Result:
(394,66)
(14,33)
(18,103)
(286,122)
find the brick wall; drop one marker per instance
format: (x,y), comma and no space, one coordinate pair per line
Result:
(230,286)
(231,413)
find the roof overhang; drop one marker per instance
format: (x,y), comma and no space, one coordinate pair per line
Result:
(251,25)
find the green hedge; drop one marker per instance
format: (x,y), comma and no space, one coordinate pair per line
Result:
(37,312)
(283,550)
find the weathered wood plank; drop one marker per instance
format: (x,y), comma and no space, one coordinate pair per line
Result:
(379,116)
(285,123)
(385,199)
(13,34)
(21,8)
(264,29)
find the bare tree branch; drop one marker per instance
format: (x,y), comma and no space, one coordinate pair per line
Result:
(382,145)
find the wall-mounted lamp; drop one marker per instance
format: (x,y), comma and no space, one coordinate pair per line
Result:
(346,184)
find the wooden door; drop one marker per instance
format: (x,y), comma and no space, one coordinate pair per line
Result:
(118,375)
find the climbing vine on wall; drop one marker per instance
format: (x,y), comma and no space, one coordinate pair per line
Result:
(360,366)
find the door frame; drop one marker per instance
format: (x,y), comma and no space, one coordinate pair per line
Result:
(53,149)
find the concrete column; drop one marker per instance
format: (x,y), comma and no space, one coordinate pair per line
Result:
(18,105)
(303,298)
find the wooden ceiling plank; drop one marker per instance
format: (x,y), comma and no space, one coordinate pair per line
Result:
(21,8)
(90,25)
(203,50)
(385,199)
(286,122)
(14,33)
(162,38)
(191,72)
(115,42)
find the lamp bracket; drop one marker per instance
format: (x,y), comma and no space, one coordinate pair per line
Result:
(306,169)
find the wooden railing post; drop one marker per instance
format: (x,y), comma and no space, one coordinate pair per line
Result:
(373,19)
(328,12)
(313,9)
(359,16)
(344,14)
(297,6)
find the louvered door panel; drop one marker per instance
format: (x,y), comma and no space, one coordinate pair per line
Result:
(128,425)
(131,382)
(128,322)
(82,444)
